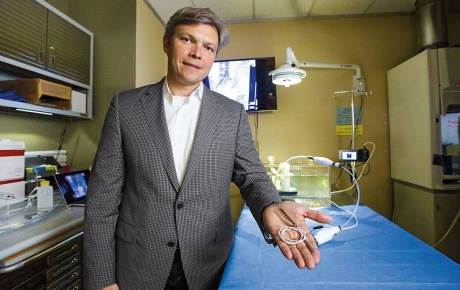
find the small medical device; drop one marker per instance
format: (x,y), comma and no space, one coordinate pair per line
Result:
(361,155)
(325,234)
(348,155)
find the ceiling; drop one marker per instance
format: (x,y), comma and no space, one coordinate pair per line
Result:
(237,11)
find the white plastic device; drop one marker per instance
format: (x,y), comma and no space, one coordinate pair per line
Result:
(326,234)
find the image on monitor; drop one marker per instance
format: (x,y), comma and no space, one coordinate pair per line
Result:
(245,81)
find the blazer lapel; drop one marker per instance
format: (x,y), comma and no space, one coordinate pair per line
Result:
(207,124)
(152,104)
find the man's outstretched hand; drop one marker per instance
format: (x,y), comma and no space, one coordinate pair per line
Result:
(304,254)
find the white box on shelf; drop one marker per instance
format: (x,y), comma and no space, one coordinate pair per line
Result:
(78,102)
(11,160)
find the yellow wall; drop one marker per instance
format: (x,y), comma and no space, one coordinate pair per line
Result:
(128,53)
(304,123)
(151,61)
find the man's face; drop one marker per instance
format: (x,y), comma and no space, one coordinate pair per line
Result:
(191,52)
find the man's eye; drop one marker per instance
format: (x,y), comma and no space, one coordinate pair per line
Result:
(210,48)
(186,39)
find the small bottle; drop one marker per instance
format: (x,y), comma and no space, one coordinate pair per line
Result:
(285,177)
(44,196)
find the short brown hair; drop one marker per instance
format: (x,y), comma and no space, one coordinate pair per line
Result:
(195,15)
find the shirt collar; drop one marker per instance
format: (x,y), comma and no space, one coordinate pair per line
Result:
(197,94)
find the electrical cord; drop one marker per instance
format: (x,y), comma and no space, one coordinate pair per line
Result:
(448,230)
(62,139)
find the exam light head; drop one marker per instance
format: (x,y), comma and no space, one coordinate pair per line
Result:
(290,73)
(287,75)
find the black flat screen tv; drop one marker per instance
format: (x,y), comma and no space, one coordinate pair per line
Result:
(245,81)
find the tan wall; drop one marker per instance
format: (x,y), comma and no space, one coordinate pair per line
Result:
(304,123)
(113,23)
(128,53)
(151,61)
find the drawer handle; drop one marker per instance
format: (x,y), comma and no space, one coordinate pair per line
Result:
(75,246)
(75,274)
(56,272)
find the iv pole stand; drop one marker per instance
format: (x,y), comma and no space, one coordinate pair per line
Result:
(354,92)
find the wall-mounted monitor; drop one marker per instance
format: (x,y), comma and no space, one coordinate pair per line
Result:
(245,81)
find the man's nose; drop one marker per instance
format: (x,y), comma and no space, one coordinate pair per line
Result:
(196,52)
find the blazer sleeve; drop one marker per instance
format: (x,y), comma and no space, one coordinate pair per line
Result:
(250,175)
(101,210)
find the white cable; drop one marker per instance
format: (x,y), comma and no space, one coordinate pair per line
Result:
(357,201)
(351,213)
(303,235)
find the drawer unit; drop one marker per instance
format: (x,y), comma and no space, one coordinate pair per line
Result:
(58,267)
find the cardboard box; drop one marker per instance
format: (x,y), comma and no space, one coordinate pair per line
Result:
(41,92)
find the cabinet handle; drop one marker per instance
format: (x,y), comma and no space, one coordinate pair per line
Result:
(41,55)
(52,60)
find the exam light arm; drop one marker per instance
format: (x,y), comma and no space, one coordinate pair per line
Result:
(291,60)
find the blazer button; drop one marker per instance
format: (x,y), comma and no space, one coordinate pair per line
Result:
(171,244)
(180,205)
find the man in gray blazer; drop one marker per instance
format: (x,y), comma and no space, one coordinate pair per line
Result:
(158,208)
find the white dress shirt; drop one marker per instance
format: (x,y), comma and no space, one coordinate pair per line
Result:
(182,118)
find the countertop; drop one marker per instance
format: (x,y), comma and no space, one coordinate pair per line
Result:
(21,242)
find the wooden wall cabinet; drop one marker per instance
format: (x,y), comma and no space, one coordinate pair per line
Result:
(38,41)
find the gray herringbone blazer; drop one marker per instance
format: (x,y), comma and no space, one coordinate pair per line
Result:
(136,211)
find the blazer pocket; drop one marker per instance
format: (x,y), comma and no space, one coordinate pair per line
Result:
(126,232)
(225,231)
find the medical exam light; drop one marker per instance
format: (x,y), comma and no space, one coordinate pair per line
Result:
(289,74)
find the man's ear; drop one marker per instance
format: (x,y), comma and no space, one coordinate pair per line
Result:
(165,43)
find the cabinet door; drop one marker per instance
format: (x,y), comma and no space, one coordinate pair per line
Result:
(69,49)
(23,31)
